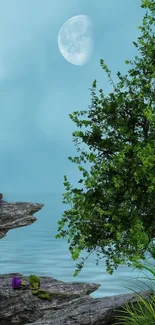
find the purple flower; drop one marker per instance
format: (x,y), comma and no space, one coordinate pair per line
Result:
(16,282)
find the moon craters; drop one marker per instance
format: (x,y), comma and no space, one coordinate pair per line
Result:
(75,40)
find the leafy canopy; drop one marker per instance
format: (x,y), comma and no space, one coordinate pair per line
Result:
(112,215)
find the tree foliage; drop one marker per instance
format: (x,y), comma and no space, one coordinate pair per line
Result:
(112,215)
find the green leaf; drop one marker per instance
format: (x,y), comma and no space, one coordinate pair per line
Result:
(34,280)
(34,292)
(44,295)
(75,254)
(94,84)
(135,44)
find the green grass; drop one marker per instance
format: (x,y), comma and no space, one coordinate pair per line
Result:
(145,313)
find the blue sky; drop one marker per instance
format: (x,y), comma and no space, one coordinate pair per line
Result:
(39,88)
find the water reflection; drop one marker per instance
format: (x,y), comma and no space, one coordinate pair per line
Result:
(34,250)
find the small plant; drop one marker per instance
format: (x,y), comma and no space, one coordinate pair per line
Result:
(34,286)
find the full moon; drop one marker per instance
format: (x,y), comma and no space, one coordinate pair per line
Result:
(75,40)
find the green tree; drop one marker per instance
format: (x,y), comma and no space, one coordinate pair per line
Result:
(112,215)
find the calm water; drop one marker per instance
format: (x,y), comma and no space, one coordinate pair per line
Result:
(34,250)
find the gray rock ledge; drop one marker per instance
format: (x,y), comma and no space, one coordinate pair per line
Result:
(71,303)
(17,214)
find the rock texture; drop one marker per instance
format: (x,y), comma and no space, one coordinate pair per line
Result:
(70,303)
(16,214)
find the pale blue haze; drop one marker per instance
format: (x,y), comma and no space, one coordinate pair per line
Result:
(38,89)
